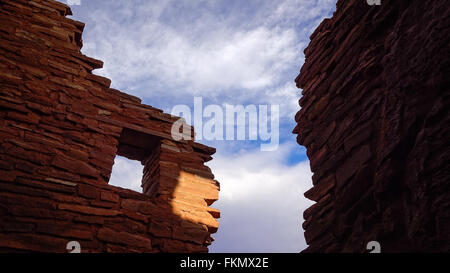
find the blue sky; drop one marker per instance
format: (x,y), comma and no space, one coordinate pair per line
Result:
(227,52)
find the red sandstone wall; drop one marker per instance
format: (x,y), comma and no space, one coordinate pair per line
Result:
(374,119)
(60,129)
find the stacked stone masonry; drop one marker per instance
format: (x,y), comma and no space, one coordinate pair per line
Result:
(374,119)
(60,129)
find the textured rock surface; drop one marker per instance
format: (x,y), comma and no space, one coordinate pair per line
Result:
(60,129)
(374,119)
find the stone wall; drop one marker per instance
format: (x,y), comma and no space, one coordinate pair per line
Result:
(60,129)
(374,119)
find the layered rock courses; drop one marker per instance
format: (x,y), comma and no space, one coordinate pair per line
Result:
(61,127)
(374,119)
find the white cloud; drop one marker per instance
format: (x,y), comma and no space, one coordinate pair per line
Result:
(290,12)
(286,96)
(261,201)
(219,50)
(233,58)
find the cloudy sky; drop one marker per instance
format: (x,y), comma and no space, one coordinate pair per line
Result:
(226,52)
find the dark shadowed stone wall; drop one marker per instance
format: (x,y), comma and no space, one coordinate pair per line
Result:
(375,121)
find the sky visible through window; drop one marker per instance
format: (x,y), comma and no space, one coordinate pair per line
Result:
(225,52)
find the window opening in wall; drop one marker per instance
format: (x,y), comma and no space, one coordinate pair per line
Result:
(133,149)
(127,174)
